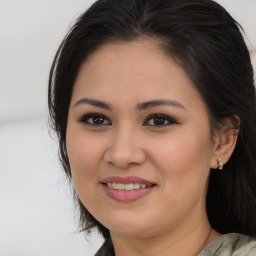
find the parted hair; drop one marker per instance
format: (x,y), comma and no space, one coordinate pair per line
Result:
(209,45)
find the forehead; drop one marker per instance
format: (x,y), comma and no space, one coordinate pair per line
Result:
(138,69)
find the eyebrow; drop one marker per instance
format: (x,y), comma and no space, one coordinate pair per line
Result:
(96,103)
(156,103)
(140,107)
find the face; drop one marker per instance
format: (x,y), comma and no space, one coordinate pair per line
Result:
(138,141)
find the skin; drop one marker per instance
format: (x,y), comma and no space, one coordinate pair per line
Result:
(176,156)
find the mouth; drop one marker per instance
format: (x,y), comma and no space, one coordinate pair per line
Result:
(127,189)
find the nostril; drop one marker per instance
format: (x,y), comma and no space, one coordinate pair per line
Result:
(123,151)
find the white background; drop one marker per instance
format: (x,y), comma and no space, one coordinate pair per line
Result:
(36,210)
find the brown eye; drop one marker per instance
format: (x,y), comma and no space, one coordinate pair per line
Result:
(95,119)
(159,120)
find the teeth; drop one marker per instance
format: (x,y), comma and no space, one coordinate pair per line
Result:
(120,186)
(137,185)
(127,187)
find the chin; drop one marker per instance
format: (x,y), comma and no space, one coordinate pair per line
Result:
(128,224)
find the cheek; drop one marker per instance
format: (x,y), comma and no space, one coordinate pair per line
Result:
(184,161)
(84,157)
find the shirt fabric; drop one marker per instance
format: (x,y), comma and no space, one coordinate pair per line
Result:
(232,244)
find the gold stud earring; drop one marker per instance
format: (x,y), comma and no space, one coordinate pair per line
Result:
(220,164)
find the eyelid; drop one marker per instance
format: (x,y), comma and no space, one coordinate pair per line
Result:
(85,117)
(171,120)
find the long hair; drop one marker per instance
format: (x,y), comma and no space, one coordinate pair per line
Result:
(208,44)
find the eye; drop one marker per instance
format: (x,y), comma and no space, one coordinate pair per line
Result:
(95,119)
(159,120)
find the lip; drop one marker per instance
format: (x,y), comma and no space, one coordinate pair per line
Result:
(127,180)
(127,196)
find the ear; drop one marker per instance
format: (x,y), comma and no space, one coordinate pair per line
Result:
(225,140)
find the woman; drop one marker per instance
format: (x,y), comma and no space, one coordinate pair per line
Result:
(153,103)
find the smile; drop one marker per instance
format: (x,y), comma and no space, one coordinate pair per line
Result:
(126,187)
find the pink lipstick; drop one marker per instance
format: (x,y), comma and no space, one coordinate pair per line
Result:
(127,189)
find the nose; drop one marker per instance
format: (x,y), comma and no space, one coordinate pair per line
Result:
(125,149)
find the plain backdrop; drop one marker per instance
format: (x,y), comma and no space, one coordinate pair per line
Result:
(37,216)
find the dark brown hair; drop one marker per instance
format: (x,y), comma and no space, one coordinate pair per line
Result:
(209,46)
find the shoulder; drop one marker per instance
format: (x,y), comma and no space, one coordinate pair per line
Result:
(232,244)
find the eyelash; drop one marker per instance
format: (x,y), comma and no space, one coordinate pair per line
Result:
(94,116)
(162,117)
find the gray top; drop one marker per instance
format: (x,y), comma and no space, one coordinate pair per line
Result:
(232,244)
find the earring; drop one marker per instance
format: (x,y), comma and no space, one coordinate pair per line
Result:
(220,164)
